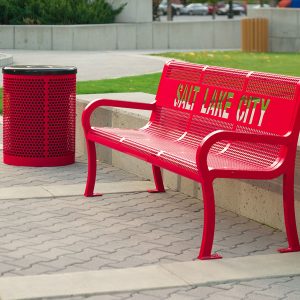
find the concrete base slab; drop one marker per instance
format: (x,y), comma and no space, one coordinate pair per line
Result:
(73,190)
(150,277)
(23,193)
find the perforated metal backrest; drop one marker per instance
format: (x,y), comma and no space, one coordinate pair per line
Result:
(243,100)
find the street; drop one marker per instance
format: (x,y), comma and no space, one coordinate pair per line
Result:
(187,18)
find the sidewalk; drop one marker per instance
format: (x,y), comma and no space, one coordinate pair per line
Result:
(92,65)
(59,235)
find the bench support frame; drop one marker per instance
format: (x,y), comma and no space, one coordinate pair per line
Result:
(158,180)
(209,222)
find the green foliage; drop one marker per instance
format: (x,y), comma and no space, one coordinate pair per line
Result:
(57,12)
(10,10)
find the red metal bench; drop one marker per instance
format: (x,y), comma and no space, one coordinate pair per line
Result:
(212,122)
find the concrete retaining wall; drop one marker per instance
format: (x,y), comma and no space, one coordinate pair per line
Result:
(140,33)
(257,200)
(128,36)
(284,24)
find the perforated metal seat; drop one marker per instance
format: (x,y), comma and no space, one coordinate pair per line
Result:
(183,155)
(211,122)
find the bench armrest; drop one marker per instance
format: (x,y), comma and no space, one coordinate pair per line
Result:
(220,135)
(86,115)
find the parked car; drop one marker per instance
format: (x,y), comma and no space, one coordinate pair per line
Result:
(259,6)
(163,6)
(237,8)
(195,9)
(218,5)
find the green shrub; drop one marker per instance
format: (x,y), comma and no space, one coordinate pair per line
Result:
(57,12)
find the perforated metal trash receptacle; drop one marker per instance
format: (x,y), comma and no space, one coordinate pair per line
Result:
(39,110)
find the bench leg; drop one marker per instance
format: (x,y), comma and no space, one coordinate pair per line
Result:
(159,184)
(289,213)
(209,223)
(92,169)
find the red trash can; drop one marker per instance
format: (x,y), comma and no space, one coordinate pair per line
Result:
(39,111)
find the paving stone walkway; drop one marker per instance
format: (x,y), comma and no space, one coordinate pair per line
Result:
(69,234)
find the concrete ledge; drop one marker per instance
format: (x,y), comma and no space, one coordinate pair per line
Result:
(255,199)
(150,277)
(5,60)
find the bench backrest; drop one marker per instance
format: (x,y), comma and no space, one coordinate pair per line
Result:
(223,98)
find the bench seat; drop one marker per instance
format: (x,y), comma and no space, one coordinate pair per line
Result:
(179,153)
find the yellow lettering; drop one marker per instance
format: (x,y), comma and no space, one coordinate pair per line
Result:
(264,106)
(186,96)
(227,105)
(255,101)
(179,90)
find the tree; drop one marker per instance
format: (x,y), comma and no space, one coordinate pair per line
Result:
(57,12)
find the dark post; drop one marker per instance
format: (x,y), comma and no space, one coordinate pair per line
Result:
(214,5)
(230,10)
(155,13)
(169,11)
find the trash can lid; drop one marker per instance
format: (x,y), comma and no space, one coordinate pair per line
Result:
(39,70)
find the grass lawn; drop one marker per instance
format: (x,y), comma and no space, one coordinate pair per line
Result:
(143,83)
(281,63)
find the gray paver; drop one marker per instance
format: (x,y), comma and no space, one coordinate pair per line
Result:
(263,283)
(290,282)
(140,297)
(275,291)
(258,296)
(239,291)
(201,292)
(163,293)
(181,297)
(292,296)
(103,297)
